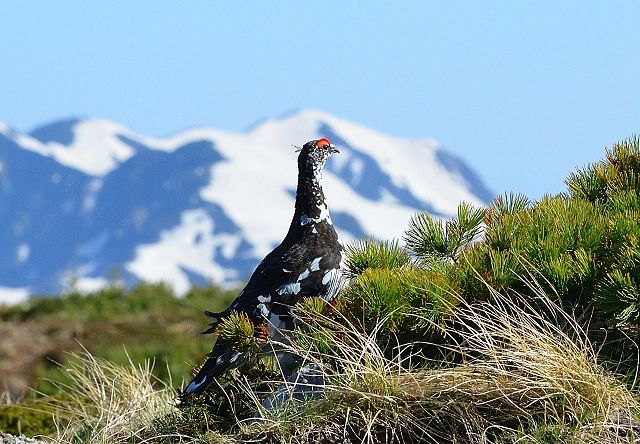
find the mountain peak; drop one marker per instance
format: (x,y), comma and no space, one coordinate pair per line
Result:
(93,146)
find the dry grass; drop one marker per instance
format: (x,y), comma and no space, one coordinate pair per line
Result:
(109,403)
(523,372)
(520,368)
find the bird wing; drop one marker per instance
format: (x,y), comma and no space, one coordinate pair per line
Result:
(276,269)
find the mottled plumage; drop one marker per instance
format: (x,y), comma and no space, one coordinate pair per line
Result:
(306,264)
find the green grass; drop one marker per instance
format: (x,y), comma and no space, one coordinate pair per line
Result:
(28,416)
(148,320)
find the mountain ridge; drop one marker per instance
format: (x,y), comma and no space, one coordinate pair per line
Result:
(82,197)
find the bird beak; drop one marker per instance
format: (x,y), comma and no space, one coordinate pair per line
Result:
(333,149)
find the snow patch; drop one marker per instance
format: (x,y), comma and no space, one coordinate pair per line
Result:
(88,285)
(22,253)
(13,296)
(357,169)
(96,148)
(192,246)
(89,201)
(31,144)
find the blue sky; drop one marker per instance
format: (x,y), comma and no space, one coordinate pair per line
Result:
(525,91)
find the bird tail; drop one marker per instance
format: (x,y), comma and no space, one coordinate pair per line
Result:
(216,319)
(201,381)
(216,364)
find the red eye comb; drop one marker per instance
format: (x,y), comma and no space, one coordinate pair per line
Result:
(323,141)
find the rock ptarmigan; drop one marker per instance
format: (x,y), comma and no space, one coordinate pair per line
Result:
(306,264)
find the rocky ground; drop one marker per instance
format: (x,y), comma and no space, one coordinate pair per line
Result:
(6,438)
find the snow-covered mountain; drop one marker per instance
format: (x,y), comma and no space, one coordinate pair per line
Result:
(86,199)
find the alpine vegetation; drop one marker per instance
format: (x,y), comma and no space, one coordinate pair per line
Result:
(517,322)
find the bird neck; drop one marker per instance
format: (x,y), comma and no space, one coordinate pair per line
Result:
(310,203)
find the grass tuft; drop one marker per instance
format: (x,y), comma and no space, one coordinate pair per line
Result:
(109,403)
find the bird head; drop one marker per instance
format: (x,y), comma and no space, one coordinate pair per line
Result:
(315,153)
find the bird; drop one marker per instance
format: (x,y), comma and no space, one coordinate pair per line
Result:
(307,263)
